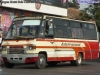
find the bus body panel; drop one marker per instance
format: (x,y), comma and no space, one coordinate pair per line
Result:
(56,49)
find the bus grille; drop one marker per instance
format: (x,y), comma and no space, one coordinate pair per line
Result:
(16,51)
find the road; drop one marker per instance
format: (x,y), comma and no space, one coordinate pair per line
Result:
(87,68)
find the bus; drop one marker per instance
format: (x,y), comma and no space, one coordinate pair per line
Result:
(44,39)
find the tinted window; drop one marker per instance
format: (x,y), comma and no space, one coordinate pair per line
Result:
(91,26)
(61,28)
(77,33)
(75,24)
(76,30)
(89,31)
(85,25)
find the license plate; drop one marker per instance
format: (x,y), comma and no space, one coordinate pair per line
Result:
(14,56)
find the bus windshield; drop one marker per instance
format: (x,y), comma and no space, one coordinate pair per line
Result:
(23,29)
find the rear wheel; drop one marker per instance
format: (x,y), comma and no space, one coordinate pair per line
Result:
(78,61)
(41,61)
(9,65)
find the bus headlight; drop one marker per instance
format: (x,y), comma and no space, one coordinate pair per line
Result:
(31,47)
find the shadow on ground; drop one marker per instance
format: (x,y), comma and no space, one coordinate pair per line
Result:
(94,60)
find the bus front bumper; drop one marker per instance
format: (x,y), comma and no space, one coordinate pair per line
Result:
(20,58)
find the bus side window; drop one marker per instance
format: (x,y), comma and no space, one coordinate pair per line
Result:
(62,30)
(73,32)
(58,31)
(89,31)
(76,29)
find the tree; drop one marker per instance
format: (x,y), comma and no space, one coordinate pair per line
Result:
(91,13)
(97,15)
(73,4)
(87,13)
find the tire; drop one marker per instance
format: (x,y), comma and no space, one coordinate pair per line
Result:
(52,63)
(41,61)
(9,65)
(78,61)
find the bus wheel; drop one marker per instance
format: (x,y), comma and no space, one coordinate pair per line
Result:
(78,61)
(52,63)
(41,61)
(9,65)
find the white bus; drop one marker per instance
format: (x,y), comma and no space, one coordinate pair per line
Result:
(45,39)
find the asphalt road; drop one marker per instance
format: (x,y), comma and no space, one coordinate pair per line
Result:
(87,68)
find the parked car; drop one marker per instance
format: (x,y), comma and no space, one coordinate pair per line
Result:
(0,50)
(0,65)
(99,51)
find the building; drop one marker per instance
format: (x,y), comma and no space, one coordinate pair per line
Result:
(73,13)
(10,10)
(8,14)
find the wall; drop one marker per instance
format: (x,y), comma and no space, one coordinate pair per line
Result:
(8,14)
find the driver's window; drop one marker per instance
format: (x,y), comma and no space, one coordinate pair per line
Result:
(11,31)
(42,29)
(9,34)
(14,30)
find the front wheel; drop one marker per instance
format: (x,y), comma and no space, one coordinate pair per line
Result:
(9,65)
(41,61)
(78,61)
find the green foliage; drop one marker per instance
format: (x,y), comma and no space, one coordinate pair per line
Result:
(73,4)
(91,13)
(84,16)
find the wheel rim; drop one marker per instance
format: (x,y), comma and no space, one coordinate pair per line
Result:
(42,61)
(79,60)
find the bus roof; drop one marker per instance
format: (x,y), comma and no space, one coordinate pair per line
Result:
(71,19)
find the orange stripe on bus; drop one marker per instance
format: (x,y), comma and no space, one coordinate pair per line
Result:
(57,47)
(77,48)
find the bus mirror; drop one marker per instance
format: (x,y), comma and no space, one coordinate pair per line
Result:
(49,23)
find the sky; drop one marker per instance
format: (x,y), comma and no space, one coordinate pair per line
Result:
(82,6)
